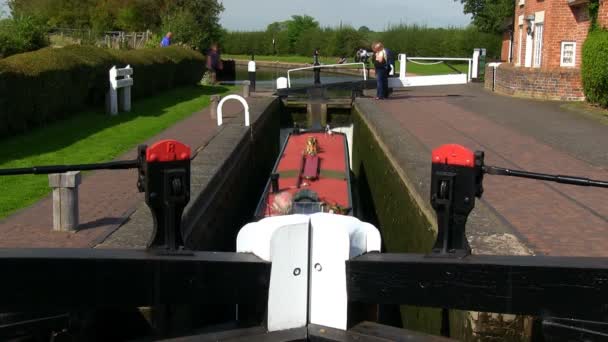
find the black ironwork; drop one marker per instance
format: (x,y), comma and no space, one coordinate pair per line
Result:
(453,191)
(556,286)
(68,279)
(571,180)
(164,176)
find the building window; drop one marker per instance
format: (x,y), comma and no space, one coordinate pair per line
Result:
(568,56)
(538,45)
(519,44)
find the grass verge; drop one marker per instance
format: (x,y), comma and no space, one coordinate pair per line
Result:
(91,137)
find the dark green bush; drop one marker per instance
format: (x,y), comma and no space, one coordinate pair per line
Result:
(414,40)
(21,35)
(49,84)
(595,67)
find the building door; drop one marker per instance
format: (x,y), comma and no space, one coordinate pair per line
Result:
(529,46)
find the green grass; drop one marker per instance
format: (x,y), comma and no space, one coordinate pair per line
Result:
(439,69)
(91,137)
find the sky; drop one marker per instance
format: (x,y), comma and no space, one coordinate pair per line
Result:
(375,14)
(3,9)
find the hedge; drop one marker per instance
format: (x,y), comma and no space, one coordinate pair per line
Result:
(49,84)
(419,41)
(595,67)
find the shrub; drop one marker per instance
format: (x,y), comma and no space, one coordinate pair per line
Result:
(595,67)
(414,40)
(21,35)
(49,84)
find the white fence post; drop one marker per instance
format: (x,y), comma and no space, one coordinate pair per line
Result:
(402,66)
(125,84)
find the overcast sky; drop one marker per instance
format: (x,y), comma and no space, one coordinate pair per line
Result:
(375,14)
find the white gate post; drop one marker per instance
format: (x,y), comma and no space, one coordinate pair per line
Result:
(126,94)
(113,91)
(402,66)
(476,54)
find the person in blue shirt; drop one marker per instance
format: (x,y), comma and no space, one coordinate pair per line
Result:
(166,40)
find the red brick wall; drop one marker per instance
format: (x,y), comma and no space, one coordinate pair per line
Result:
(504,52)
(558,84)
(562,23)
(602,17)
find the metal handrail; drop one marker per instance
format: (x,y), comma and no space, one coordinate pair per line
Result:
(324,66)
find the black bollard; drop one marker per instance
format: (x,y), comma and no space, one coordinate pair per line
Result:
(251,68)
(274,179)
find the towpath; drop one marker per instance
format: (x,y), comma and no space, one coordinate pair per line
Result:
(552,219)
(106,198)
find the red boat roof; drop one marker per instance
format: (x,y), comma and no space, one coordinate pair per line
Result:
(329,165)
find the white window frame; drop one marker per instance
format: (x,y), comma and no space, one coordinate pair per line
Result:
(538,45)
(519,44)
(561,56)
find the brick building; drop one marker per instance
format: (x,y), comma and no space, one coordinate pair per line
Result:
(542,47)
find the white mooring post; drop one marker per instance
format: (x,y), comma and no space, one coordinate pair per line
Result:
(65,200)
(251,69)
(125,83)
(220,113)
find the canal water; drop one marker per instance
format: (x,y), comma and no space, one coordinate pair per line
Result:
(266,77)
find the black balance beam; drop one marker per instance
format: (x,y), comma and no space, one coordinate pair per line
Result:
(34,279)
(546,286)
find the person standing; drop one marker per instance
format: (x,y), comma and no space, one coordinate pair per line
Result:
(166,41)
(380,65)
(214,62)
(390,64)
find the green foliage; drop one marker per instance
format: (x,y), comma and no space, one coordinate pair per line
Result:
(129,15)
(91,137)
(193,22)
(489,15)
(49,84)
(439,42)
(595,67)
(21,34)
(594,8)
(413,40)
(297,26)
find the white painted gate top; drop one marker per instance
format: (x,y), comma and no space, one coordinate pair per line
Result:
(308,255)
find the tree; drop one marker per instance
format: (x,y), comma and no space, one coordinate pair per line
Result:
(364,29)
(489,15)
(194,22)
(298,25)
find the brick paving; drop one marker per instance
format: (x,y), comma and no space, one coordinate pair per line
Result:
(106,198)
(554,219)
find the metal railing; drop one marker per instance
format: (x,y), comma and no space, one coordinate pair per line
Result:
(438,60)
(329,66)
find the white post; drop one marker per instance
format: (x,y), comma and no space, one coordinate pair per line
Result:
(126,94)
(220,115)
(475,71)
(113,91)
(308,255)
(282,83)
(65,200)
(402,66)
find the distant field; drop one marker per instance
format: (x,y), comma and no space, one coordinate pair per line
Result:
(438,69)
